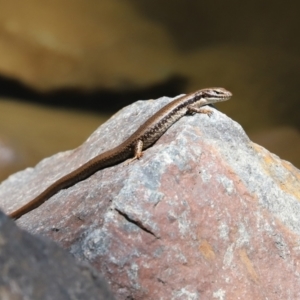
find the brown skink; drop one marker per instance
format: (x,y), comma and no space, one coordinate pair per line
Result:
(145,136)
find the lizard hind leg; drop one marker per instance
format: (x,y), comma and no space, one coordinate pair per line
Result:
(138,153)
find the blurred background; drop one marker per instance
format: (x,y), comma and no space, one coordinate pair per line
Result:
(67,65)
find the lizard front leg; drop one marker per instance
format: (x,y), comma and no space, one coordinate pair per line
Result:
(199,110)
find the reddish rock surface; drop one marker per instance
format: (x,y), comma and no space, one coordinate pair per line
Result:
(205,214)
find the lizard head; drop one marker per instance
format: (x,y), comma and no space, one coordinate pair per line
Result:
(213,95)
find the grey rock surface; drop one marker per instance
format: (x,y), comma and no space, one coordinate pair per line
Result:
(34,268)
(204,214)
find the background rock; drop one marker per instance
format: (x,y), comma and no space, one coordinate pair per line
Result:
(104,55)
(69,43)
(34,268)
(205,213)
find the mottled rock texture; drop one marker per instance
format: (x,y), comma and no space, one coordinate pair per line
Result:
(34,268)
(205,214)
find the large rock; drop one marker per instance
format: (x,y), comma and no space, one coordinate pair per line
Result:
(204,214)
(35,269)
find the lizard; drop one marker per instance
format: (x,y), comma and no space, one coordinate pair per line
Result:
(145,136)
